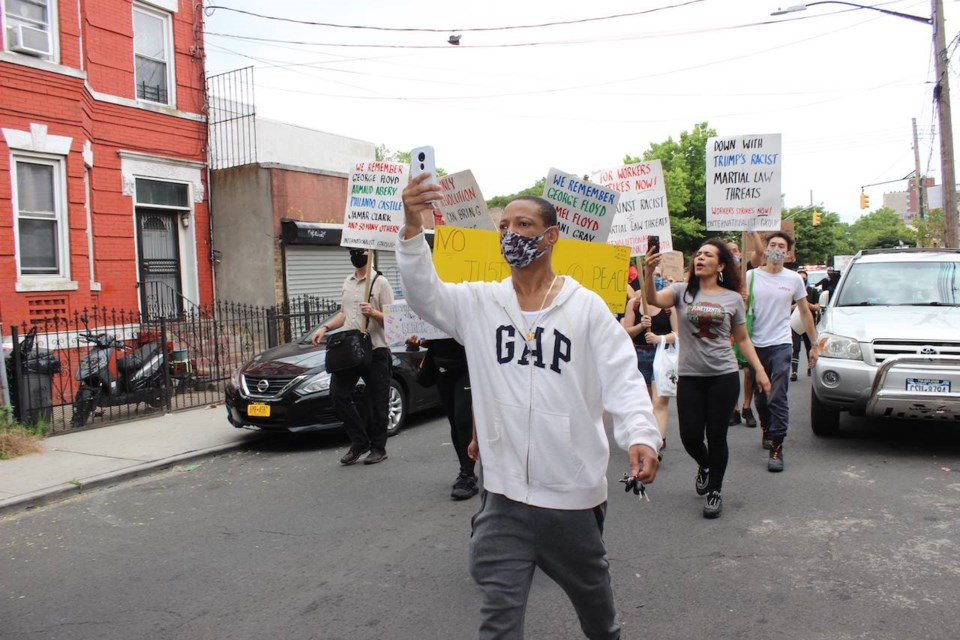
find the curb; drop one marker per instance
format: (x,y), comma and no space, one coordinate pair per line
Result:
(60,492)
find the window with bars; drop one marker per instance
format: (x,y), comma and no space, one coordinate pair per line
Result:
(153,52)
(41,216)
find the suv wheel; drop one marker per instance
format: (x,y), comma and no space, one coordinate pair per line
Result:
(824,421)
(396,408)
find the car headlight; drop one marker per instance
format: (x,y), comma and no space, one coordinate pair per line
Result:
(314,384)
(235,377)
(834,346)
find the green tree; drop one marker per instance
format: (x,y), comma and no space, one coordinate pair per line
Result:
(881,229)
(685,178)
(818,244)
(499,202)
(930,229)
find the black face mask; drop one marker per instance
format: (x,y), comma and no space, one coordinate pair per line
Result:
(359,261)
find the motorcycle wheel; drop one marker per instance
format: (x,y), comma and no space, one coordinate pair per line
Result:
(83,406)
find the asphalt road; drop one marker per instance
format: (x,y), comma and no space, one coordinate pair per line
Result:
(858,538)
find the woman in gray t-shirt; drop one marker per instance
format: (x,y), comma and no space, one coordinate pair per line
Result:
(709,310)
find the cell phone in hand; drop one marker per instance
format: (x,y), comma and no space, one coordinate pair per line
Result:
(653,244)
(423,159)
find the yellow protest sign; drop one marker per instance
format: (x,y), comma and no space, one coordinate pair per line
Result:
(470,255)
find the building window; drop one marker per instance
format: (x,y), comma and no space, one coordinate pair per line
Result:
(28,27)
(41,218)
(153,50)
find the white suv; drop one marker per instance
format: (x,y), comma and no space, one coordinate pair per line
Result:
(890,339)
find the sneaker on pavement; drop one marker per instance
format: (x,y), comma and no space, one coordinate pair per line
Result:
(352,455)
(714,506)
(793,377)
(765,442)
(703,477)
(775,461)
(375,456)
(734,418)
(465,487)
(748,418)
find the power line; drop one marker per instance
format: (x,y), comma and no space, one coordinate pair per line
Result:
(210,9)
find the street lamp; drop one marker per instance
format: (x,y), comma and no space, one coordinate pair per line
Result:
(941,95)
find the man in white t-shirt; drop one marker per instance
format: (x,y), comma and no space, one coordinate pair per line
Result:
(775,290)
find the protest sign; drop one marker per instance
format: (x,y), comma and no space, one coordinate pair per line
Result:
(743,183)
(671,266)
(463,204)
(470,255)
(585,210)
(400,322)
(374,212)
(642,209)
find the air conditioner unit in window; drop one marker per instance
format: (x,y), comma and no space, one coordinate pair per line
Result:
(30,40)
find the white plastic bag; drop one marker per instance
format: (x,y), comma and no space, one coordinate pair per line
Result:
(665,369)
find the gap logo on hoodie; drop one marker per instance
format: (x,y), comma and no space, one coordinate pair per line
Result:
(512,347)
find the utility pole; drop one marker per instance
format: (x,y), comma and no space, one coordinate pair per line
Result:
(941,93)
(918,181)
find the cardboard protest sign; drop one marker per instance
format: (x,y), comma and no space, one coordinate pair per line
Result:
(585,210)
(671,266)
(642,209)
(743,183)
(469,255)
(400,322)
(463,204)
(374,212)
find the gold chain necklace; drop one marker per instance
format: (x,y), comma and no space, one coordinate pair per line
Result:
(530,328)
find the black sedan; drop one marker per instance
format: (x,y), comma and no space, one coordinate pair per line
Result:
(287,388)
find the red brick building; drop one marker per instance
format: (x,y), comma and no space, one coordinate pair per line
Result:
(103,196)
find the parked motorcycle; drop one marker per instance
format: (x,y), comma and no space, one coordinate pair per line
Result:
(140,376)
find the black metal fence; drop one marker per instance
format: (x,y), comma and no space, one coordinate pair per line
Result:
(101,366)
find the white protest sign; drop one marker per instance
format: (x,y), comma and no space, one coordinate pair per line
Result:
(374,212)
(642,210)
(743,183)
(463,204)
(400,322)
(585,210)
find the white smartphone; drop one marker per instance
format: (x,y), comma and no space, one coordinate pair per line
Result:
(422,159)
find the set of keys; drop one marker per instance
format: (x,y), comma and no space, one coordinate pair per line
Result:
(633,483)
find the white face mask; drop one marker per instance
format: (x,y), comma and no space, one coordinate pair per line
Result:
(775,255)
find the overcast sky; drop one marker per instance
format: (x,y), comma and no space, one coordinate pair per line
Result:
(840,86)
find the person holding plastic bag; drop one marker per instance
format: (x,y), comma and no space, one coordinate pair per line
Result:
(649,332)
(709,308)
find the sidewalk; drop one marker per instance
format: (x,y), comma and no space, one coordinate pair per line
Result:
(73,462)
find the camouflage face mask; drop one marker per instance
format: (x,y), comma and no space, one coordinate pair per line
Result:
(520,251)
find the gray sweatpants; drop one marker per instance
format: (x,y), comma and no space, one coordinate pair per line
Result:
(510,539)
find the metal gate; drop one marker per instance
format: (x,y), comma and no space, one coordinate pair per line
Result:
(158,250)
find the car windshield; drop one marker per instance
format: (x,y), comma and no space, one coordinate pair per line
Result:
(308,336)
(814,278)
(901,284)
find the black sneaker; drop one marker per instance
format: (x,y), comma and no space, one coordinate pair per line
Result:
(765,441)
(352,455)
(775,461)
(703,477)
(748,419)
(714,506)
(465,487)
(375,456)
(734,418)
(793,377)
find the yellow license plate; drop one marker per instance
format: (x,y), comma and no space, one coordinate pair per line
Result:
(258,410)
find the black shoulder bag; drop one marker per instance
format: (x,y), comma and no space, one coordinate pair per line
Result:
(352,348)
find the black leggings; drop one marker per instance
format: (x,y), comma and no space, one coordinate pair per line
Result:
(454,389)
(704,405)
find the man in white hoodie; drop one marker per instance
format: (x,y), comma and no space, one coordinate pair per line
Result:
(546,359)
